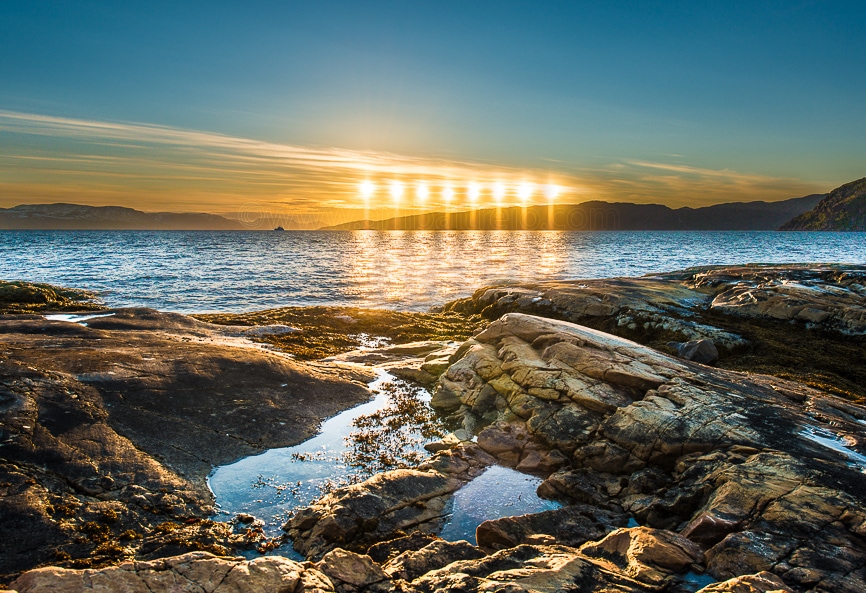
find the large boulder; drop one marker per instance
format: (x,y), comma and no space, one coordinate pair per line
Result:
(764,474)
(351,572)
(414,563)
(647,555)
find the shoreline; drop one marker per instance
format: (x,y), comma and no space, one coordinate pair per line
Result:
(122,367)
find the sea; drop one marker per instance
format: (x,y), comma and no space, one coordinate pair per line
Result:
(237,271)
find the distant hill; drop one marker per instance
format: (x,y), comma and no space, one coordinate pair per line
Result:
(602,216)
(78,217)
(843,209)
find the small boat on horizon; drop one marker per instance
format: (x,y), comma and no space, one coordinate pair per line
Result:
(279,228)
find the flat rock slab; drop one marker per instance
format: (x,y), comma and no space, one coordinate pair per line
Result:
(197,571)
(124,417)
(829,296)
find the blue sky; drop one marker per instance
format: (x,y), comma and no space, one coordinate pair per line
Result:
(670,102)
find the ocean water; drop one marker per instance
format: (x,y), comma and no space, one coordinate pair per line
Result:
(414,270)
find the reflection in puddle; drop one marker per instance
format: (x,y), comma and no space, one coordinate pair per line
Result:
(498,492)
(693,581)
(385,433)
(75,318)
(831,440)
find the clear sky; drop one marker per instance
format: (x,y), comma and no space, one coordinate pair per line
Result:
(320,108)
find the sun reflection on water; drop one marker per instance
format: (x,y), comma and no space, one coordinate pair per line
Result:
(401,263)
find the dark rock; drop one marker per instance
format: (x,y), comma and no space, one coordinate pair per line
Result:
(702,351)
(411,564)
(382,552)
(570,525)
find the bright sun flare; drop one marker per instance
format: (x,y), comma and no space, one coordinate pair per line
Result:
(470,193)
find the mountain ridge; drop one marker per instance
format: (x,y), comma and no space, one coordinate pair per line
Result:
(599,215)
(843,209)
(65,216)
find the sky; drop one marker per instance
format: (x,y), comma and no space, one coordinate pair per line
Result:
(331,111)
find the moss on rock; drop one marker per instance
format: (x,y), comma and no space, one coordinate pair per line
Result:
(327,331)
(27,297)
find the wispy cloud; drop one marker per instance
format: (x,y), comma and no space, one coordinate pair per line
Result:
(48,158)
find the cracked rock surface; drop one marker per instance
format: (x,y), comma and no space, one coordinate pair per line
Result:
(729,474)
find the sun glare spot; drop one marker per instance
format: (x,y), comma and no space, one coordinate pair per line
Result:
(473,192)
(498,192)
(552,191)
(396,190)
(525,191)
(367,189)
(422,192)
(448,193)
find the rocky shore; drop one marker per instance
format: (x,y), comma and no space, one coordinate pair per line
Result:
(673,475)
(110,428)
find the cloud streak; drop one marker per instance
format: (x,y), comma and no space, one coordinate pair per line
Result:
(152,167)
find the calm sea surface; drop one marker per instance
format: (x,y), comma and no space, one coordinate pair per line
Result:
(244,271)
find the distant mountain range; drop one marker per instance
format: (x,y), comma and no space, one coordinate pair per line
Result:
(603,216)
(843,209)
(75,216)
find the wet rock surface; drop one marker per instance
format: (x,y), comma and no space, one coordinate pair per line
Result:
(830,296)
(329,331)
(728,460)
(30,297)
(386,506)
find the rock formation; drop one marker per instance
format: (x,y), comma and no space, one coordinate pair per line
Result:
(673,476)
(828,297)
(195,571)
(804,322)
(741,474)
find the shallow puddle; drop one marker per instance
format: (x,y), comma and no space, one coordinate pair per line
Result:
(498,492)
(75,318)
(838,443)
(693,581)
(348,448)
(382,434)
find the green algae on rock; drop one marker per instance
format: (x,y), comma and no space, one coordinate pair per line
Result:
(28,297)
(328,331)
